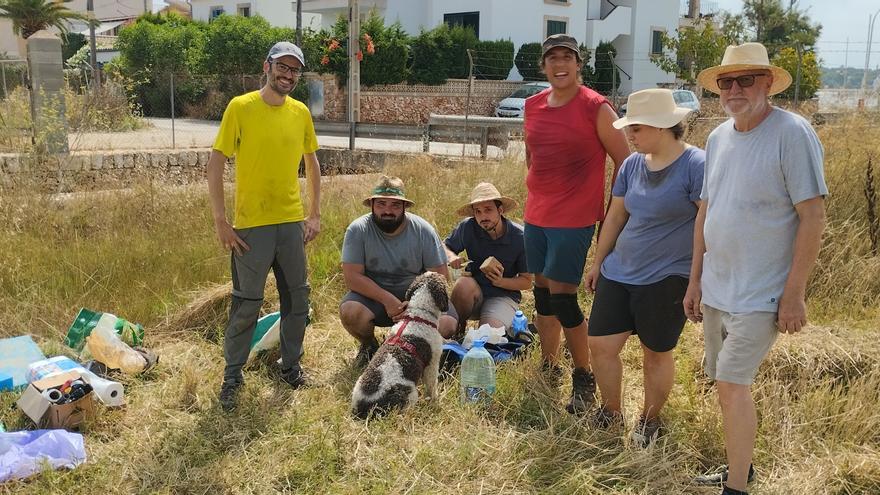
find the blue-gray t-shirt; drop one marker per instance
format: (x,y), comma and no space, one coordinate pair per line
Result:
(658,239)
(393,262)
(509,249)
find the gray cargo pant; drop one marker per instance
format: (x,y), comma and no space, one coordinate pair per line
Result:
(281,248)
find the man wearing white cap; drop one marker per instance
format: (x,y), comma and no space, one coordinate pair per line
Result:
(269,133)
(756,238)
(491,294)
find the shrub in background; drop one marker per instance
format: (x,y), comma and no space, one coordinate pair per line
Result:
(462,39)
(493,59)
(528,62)
(605,77)
(430,56)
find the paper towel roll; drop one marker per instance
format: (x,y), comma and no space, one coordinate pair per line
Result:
(109,392)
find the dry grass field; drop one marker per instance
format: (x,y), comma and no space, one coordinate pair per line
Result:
(148,254)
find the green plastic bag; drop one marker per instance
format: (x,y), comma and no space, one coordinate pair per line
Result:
(85,321)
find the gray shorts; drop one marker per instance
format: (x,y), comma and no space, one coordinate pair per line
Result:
(380,317)
(501,308)
(736,343)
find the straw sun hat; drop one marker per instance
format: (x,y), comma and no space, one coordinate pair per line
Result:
(388,188)
(485,191)
(748,56)
(653,107)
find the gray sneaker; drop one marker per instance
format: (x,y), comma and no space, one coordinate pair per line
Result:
(296,378)
(647,431)
(583,391)
(229,394)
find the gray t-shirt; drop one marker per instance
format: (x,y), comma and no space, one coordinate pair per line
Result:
(658,238)
(393,261)
(753,180)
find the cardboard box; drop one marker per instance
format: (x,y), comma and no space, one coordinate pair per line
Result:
(48,415)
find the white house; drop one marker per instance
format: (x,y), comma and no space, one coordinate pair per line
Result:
(633,26)
(277,12)
(113,15)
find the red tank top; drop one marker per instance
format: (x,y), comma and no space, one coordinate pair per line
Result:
(566,177)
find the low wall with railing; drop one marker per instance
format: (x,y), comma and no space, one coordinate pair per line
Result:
(412,104)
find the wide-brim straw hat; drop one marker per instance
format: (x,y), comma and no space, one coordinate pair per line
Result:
(653,107)
(388,187)
(485,191)
(748,56)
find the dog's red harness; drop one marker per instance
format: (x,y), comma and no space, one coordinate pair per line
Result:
(406,346)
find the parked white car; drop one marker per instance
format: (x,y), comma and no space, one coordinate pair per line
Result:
(682,97)
(514,105)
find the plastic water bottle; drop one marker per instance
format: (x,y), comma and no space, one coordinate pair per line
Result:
(520,323)
(477,374)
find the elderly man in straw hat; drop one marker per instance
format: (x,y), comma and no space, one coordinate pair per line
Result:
(383,251)
(491,295)
(756,238)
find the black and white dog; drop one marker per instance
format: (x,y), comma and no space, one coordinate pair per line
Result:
(410,354)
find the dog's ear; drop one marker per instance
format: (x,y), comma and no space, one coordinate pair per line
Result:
(437,287)
(416,283)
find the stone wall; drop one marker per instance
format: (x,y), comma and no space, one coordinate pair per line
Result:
(95,170)
(411,104)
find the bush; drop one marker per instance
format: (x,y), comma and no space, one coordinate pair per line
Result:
(430,55)
(462,39)
(71,43)
(528,62)
(605,77)
(387,62)
(493,59)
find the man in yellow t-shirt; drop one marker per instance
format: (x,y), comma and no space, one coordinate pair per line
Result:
(269,133)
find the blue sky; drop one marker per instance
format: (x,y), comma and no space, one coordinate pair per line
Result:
(840,19)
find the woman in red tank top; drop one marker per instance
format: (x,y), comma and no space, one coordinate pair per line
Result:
(568,134)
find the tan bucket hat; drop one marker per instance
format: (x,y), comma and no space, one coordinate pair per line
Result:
(653,107)
(388,187)
(747,56)
(485,191)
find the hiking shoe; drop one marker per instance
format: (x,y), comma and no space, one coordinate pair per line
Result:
(296,378)
(647,431)
(229,394)
(719,478)
(583,391)
(553,372)
(606,418)
(726,490)
(365,354)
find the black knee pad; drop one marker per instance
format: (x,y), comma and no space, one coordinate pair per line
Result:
(567,310)
(542,301)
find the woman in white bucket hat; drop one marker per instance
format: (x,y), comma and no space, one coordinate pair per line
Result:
(643,257)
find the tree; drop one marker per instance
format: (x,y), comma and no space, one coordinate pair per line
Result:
(810,75)
(30,16)
(776,26)
(695,47)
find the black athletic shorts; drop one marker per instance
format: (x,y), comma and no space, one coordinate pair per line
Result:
(653,312)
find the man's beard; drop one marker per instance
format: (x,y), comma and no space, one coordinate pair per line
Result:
(489,226)
(388,225)
(273,83)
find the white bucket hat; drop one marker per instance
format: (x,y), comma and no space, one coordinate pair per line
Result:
(653,107)
(485,191)
(748,56)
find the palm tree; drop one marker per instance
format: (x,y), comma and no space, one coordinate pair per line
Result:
(30,16)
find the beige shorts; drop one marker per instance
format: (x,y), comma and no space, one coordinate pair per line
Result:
(500,308)
(736,343)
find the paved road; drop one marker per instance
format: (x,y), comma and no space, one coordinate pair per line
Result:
(189,133)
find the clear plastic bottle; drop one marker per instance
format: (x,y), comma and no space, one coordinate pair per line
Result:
(520,323)
(477,374)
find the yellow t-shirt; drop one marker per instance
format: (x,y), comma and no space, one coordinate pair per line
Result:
(268,143)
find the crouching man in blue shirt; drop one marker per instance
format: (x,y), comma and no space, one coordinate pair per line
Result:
(491,295)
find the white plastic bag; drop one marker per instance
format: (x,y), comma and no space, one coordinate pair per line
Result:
(488,333)
(23,453)
(105,346)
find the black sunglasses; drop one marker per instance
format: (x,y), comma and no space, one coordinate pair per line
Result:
(745,81)
(286,69)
